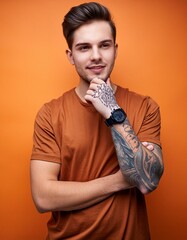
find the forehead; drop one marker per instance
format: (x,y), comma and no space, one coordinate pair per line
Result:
(93,32)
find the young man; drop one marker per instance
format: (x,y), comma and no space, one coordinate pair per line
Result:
(97,148)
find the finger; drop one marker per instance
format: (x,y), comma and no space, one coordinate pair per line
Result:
(88,98)
(108,83)
(150,147)
(93,86)
(95,83)
(145,143)
(97,80)
(90,92)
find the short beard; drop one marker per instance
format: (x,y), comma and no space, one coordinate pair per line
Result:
(89,80)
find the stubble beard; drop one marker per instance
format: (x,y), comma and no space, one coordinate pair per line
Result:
(88,79)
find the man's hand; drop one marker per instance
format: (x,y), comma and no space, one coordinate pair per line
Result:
(120,181)
(101,95)
(148,145)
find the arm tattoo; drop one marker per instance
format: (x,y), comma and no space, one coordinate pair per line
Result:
(141,167)
(105,94)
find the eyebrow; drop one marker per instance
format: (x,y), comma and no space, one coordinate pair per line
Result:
(87,43)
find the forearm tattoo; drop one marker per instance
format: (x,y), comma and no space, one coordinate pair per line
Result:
(105,94)
(140,166)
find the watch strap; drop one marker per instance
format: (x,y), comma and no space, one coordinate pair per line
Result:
(109,122)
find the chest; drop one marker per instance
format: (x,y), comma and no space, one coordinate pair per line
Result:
(87,149)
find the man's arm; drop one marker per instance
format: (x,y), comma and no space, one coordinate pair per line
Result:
(140,165)
(49,194)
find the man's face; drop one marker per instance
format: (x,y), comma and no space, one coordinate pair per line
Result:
(93,51)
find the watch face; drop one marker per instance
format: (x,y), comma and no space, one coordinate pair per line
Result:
(119,115)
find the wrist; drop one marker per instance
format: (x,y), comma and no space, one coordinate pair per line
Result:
(110,110)
(118,182)
(117,116)
(112,184)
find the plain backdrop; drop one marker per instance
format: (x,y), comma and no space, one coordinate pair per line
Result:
(152,60)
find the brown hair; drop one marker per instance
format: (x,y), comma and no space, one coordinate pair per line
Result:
(84,13)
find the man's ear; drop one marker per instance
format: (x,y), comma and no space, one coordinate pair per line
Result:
(70,56)
(116,50)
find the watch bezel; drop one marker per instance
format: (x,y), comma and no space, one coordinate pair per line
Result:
(112,119)
(114,115)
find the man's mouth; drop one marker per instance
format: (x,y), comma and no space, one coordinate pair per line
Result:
(96,68)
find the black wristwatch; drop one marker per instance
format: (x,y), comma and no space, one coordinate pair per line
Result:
(117,116)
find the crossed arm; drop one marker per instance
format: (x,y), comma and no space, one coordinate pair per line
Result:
(49,194)
(140,166)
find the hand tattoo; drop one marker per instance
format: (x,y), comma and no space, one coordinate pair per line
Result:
(105,94)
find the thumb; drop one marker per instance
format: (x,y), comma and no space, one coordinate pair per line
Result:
(111,85)
(108,83)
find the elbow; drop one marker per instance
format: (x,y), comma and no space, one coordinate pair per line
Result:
(149,188)
(41,208)
(144,190)
(41,204)
(153,184)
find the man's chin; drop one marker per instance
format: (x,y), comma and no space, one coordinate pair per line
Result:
(90,78)
(100,77)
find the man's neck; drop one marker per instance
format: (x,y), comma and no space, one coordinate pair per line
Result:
(81,89)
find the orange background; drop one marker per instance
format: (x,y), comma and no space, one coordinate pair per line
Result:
(152,40)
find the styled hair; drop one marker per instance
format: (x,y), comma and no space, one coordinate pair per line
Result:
(82,14)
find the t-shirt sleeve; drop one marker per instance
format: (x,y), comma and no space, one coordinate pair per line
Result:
(151,125)
(45,146)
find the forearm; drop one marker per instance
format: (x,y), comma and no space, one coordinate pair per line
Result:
(139,165)
(66,196)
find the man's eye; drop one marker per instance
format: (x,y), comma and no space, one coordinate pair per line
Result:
(83,48)
(105,45)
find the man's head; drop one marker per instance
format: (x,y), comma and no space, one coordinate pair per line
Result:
(91,35)
(82,14)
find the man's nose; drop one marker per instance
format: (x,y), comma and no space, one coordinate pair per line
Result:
(95,54)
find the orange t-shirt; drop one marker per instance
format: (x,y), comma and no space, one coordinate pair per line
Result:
(73,134)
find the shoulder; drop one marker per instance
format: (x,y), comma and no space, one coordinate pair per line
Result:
(50,111)
(134,100)
(55,105)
